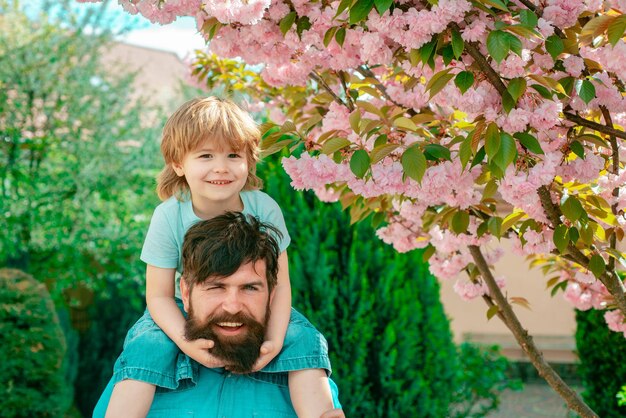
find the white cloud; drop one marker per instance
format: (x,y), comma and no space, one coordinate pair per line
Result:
(179,40)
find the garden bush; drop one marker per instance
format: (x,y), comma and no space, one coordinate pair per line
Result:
(32,349)
(602,368)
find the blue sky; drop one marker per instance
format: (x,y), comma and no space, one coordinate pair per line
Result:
(179,37)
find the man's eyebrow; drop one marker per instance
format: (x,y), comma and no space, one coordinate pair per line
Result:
(255,283)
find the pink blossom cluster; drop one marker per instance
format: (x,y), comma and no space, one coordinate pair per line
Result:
(615,321)
(563,13)
(535,242)
(610,57)
(469,290)
(582,170)
(309,172)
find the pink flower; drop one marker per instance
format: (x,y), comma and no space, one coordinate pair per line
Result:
(246,12)
(337,118)
(615,321)
(574,65)
(563,13)
(309,173)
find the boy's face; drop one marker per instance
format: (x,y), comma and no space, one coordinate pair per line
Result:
(215,174)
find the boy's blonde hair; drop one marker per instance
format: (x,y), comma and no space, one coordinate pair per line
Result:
(219,120)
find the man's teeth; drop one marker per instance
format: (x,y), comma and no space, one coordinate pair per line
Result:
(230,324)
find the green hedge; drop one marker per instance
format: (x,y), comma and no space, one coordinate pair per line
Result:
(602,368)
(389,339)
(32,349)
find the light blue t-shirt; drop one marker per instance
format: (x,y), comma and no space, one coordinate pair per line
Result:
(163,246)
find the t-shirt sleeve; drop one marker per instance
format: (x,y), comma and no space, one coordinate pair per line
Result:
(269,211)
(160,248)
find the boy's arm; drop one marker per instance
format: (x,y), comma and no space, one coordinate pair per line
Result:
(310,394)
(166,314)
(280,313)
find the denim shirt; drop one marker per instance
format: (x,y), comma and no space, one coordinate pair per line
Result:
(221,394)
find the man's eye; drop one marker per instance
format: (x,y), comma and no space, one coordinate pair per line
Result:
(251,287)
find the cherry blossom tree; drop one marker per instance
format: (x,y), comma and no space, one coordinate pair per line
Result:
(452,123)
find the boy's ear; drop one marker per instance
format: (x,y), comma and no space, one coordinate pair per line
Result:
(184,293)
(178,169)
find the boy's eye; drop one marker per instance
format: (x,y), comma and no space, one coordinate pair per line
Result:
(206,156)
(234,155)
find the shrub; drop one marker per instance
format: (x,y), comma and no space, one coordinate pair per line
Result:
(480,379)
(601,369)
(32,347)
(389,339)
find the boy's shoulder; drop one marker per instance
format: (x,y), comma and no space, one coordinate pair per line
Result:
(256,198)
(170,205)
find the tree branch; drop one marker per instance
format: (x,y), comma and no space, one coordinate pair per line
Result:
(319,80)
(573,400)
(608,130)
(480,59)
(609,278)
(615,171)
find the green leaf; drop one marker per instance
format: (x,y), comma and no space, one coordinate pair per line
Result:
(492,311)
(328,36)
(479,157)
(460,222)
(529,142)
(516,88)
(573,234)
(528,18)
(515,43)
(287,22)
(436,152)
(405,123)
(507,102)
(343,6)
(507,153)
(465,151)
(559,286)
(544,92)
(438,81)
(597,265)
(495,226)
(464,80)
(382,5)
(334,144)
(427,50)
(560,237)
(382,151)
(578,149)
(498,45)
(615,31)
(302,24)
(586,234)
(496,4)
(585,90)
(492,140)
(359,163)
(340,36)
(360,10)
(457,44)
(554,46)
(428,252)
(572,208)
(414,163)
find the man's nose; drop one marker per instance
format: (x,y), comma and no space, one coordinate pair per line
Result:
(231,303)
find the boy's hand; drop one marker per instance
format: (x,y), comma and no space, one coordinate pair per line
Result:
(334,413)
(199,351)
(269,350)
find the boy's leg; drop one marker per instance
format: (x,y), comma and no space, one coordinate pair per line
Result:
(130,399)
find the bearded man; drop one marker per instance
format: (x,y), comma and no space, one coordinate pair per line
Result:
(230,266)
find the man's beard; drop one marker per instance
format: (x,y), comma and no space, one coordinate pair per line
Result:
(239,353)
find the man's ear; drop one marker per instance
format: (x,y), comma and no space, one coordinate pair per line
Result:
(178,169)
(185,292)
